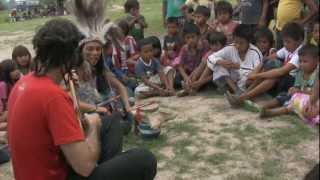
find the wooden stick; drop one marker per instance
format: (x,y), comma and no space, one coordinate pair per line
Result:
(75,101)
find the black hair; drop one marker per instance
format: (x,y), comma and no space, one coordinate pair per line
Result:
(190,28)
(144,42)
(243,31)
(55,44)
(217,37)
(6,67)
(294,31)
(190,9)
(19,51)
(130,4)
(223,6)
(172,20)
(203,11)
(264,33)
(124,26)
(309,49)
(156,44)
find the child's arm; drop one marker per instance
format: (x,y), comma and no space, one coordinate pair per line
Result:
(163,78)
(89,108)
(262,21)
(142,22)
(150,84)
(313,10)
(274,73)
(133,59)
(183,73)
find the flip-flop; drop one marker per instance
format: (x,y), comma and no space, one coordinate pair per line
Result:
(251,106)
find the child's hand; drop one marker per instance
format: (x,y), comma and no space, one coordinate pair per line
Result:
(103,110)
(293,90)
(224,63)
(253,76)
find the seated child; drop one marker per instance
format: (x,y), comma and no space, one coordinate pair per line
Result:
(315,34)
(154,78)
(232,64)
(273,75)
(201,17)
(264,41)
(136,21)
(126,55)
(224,22)
(9,75)
(304,81)
(22,57)
(203,74)
(189,58)
(172,43)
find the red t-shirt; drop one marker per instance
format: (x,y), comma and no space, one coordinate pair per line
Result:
(41,117)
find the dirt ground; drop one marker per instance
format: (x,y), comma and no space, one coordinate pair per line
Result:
(210,141)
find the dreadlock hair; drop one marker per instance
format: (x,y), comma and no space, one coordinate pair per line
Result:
(55,44)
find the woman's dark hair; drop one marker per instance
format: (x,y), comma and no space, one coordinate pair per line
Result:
(130,4)
(6,67)
(156,44)
(55,44)
(190,28)
(294,31)
(19,51)
(124,26)
(217,37)
(203,11)
(223,6)
(264,33)
(243,31)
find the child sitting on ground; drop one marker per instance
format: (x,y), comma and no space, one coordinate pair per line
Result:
(172,43)
(9,75)
(126,55)
(264,41)
(203,74)
(201,17)
(22,57)
(136,21)
(232,64)
(129,82)
(154,78)
(304,81)
(224,22)
(283,76)
(188,59)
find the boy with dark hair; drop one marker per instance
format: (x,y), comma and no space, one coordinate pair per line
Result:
(203,75)
(189,57)
(264,40)
(232,65)
(172,42)
(224,22)
(154,79)
(136,21)
(201,17)
(304,81)
(283,76)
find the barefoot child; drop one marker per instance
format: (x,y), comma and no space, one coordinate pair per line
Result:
(189,58)
(304,81)
(22,57)
(203,74)
(154,78)
(283,76)
(232,64)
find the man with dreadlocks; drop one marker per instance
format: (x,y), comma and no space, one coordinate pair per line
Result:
(46,139)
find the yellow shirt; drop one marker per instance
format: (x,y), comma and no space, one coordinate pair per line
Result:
(288,11)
